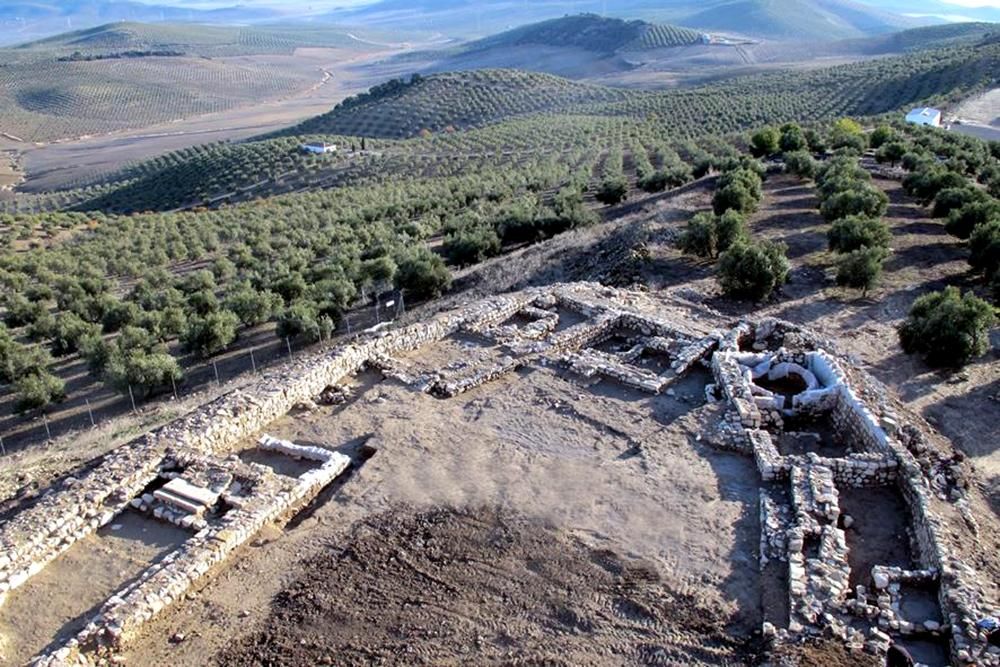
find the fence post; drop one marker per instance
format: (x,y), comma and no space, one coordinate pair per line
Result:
(173,383)
(3,450)
(132,396)
(90,413)
(215,367)
(253,362)
(402,306)
(288,342)
(48,433)
(377,320)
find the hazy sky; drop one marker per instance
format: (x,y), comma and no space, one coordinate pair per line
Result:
(323,5)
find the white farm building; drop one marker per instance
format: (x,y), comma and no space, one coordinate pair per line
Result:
(924,116)
(319,147)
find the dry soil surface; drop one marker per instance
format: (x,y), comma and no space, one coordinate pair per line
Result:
(446,587)
(580,469)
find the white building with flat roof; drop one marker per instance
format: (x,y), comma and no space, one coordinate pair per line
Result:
(924,116)
(319,147)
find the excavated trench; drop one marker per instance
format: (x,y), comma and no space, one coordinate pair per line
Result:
(72,588)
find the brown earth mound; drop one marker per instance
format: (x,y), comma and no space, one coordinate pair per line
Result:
(450,587)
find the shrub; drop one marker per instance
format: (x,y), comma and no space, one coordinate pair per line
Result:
(730,227)
(210,334)
(36,390)
(801,164)
(700,236)
(891,152)
(963,221)
(613,190)
(423,275)
(867,200)
(792,138)
(984,247)
(251,306)
(764,142)
(471,243)
(928,181)
(299,319)
(861,268)
(882,134)
(947,328)
(68,331)
(753,269)
(849,234)
(950,199)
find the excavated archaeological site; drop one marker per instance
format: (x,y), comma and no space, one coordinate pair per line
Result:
(572,474)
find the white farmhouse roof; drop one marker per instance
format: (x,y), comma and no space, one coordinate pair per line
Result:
(923,113)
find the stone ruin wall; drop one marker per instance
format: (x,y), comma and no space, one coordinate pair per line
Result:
(879,459)
(83,505)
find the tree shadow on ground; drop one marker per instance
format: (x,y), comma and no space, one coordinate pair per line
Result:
(922,228)
(960,418)
(924,255)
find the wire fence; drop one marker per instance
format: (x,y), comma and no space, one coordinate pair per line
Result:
(259,352)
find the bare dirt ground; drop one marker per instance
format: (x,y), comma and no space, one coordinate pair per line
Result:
(447,587)
(983,109)
(337,74)
(73,586)
(602,466)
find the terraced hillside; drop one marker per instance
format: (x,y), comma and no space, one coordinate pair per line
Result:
(42,99)
(592,33)
(821,20)
(123,76)
(477,98)
(455,100)
(207,40)
(818,20)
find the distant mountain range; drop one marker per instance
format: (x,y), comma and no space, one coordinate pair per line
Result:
(24,20)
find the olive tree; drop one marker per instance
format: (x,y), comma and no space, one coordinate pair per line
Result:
(947,328)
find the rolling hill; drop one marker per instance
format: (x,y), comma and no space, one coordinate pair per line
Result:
(577,47)
(477,98)
(821,20)
(206,40)
(591,33)
(775,19)
(127,75)
(26,20)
